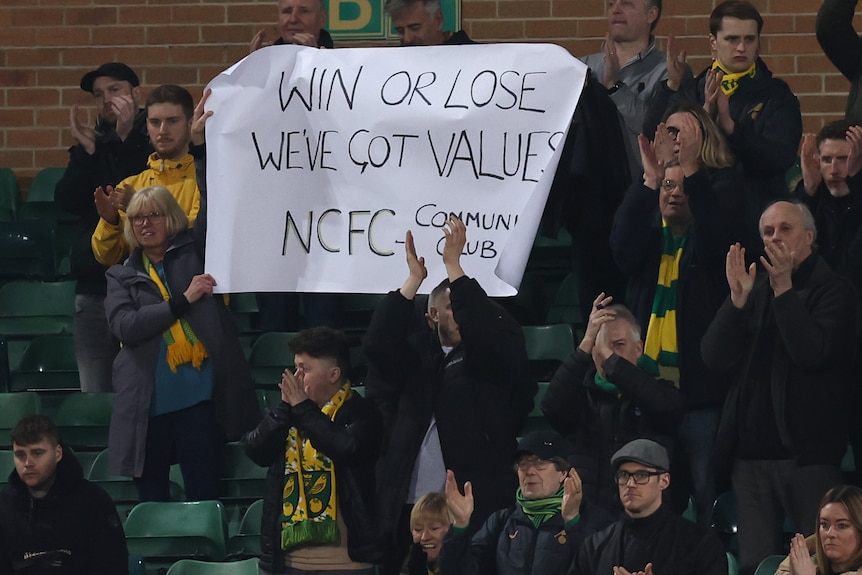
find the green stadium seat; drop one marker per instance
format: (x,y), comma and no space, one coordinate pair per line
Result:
(48,364)
(565,307)
(269,357)
(42,188)
(27,251)
(192,567)
(7,467)
(169,531)
(10,195)
(241,478)
(13,407)
(769,565)
(83,420)
(732,564)
(122,489)
(246,542)
(29,309)
(547,347)
(723,520)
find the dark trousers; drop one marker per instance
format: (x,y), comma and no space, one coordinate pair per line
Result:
(767,492)
(191,434)
(692,469)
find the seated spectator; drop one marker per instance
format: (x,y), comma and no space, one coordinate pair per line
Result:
(52,520)
(181,382)
(843,47)
(320,444)
(429,523)
(455,397)
(601,398)
(651,539)
(541,533)
(756,111)
(836,546)
(115,148)
(299,22)
(170,110)
(670,238)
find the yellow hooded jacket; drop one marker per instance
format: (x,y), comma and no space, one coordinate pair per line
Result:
(109,245)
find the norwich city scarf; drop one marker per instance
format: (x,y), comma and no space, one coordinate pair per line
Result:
(540,510)
(308,503)
(730,81)
(183,345)
(661,339)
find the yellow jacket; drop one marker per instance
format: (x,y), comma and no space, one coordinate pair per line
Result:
(109,245)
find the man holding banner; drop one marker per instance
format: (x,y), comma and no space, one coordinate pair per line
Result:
(458,395)
(299,22)
(420,23)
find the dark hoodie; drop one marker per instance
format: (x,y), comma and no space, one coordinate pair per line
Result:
(73,530)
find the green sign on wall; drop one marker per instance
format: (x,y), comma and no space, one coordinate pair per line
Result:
(365,20)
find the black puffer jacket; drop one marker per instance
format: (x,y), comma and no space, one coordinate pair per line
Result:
(74,529)
(509,544)
(352,441)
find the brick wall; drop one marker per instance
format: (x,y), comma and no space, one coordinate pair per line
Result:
(48,44)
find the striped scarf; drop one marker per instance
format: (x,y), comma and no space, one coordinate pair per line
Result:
(540,510)
(730,80)
(661,346)
(183,345)
(308,503)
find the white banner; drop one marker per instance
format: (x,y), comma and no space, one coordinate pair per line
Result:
(321,160)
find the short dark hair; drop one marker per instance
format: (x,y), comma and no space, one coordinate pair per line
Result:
(836,130)
(435,293)
(657,5)
(33,429)
(740,9)
(173,94)
(324,343)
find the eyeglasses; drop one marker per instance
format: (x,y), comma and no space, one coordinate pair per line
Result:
(152,217)
(640,476)
(527,462)
(669,186)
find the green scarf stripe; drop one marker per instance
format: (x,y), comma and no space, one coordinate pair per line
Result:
(321,532)
(606,385)
(668,358)
(665,299)
(540,510)
(661,332)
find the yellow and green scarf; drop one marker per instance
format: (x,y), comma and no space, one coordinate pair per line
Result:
(730,80)
(308,500)
(183,345)
(661,346)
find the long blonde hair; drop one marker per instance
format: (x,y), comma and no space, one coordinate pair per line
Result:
(714,150)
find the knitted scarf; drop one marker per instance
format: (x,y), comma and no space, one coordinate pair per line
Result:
(730,80)
(661,338)
(183,345)
(540,510)
(309,487)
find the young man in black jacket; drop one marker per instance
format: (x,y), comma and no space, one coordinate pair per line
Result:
(52,520)
(320,444)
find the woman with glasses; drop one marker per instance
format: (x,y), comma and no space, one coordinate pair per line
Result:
(541,533)
(181,381)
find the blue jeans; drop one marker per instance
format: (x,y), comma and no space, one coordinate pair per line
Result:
(193,435)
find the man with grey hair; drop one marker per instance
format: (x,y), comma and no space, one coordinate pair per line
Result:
(299,22)
(630,65)
(601,397)
(786,338)
(420,23)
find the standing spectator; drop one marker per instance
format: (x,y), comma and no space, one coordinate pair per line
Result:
(786,339)
(670,237)
(843,47)
(458,396)
(52,520)
(320,445)
(181,381)
(116,147)
(630,65)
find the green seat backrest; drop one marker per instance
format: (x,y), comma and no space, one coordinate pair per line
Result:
(42,188)
(28,299)
(7,466)
(237,465)
(565,307)
(48,353)
(270,356)
(85,409)
(769,565)
(732,564)
(14,406)
(547,342)
(10,195)
(192,567)
(170,522)
(27,250)
(250,524)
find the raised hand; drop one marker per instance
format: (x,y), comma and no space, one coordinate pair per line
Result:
(417,272)
(460,505)
(809,161)
(653,166)
(800,560)
(84,135)
(619,570)
(689,141)
(740,279)
(456,237)
(199,120)
(711,89)
(778,262)
(598,317)
(256,42)
(200,286)
(125,110)
(572,495)
(854,159)
(121,196)
(292,390)
(612,62)
(105,206)
(675,64)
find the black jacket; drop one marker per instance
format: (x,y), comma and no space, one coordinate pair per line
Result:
(73,530)
(509,544)
(324,40)
(352,441)
(811,360)
(768,127)
(843,47)
(598,423)
(715,198)
(112,162)
(480,395)
(672,544)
